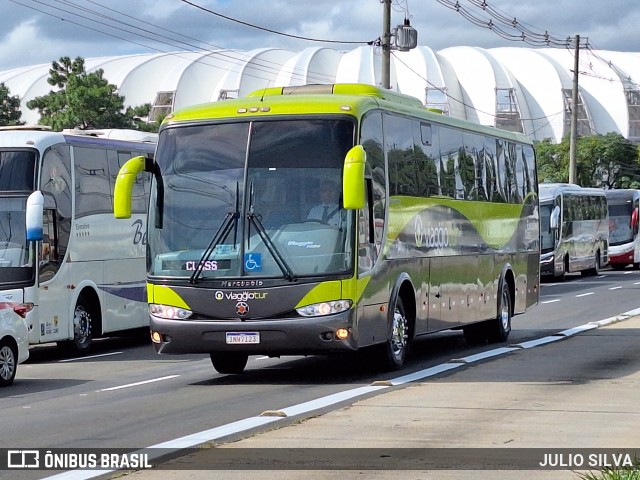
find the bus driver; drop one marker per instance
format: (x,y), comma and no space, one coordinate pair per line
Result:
(328,211)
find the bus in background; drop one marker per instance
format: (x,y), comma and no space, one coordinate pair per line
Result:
(574,230)
(624,242)
(76,272)
(436,226)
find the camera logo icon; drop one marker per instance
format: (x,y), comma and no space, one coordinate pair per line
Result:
(23,459)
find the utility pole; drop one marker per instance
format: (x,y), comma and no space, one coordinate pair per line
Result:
(574,116)
(404,36)
(386,44)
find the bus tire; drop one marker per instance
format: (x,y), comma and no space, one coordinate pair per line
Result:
(595,270)
(8,362)
(393,352)
(229,363)
(501,326)
(83,324)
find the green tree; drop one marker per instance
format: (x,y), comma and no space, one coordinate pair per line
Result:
(10,112)
(84,100)
(605,161)
(553,161)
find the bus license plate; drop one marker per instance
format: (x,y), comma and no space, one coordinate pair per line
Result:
(243,337)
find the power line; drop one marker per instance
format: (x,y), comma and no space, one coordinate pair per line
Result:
(506,26)
(231,19)
(264,66)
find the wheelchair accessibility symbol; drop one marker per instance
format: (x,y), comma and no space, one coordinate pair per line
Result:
(253,262)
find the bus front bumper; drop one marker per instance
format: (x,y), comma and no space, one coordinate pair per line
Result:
(547,264)
(294,336)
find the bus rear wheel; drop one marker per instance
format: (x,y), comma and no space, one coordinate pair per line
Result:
(229,363)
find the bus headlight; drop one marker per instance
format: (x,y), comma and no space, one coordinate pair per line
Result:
(168,312)
(324,308)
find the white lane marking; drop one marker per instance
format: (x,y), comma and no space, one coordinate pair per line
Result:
(579,329)
(538,341)
(426,373)
(551,301)
(636,283)
(584,294)
(138,383)
(616,288)
(89,357)
(306,407)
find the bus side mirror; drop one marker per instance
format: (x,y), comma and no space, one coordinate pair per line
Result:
(353,185)
(34,216)
(123,189)
(555,218)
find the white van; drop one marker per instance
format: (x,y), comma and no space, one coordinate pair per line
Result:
(14,338)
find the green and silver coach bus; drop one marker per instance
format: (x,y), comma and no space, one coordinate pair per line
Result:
(437,226)
(574,228)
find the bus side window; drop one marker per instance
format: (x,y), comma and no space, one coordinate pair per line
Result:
(48,260)
(367,252)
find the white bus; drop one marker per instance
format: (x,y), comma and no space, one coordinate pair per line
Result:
(76,271)
(624,241)
(574,230)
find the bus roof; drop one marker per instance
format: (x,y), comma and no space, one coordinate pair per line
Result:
(351,99)
(548,191)
(43,138)
(622,195)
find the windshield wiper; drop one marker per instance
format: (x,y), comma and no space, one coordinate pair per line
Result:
(230,221)
(273,250)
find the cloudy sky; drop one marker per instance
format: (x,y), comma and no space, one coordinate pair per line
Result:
(40,31)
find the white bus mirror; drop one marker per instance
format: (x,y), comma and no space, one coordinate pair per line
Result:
(555,218)
(35,209)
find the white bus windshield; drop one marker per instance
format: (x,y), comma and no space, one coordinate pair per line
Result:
(17,170)
(241,199)
(16,263)
(620,230)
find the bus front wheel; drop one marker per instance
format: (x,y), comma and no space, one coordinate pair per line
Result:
(82,329)
(501,328)
(229,363)
(392,353)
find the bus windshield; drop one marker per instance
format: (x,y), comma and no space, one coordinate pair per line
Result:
(17,170)
(16,264)
(251,199)
(620,224)
(547,236)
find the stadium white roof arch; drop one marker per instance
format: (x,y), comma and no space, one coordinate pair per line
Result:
(522,89)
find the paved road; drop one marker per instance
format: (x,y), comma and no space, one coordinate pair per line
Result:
(578,393)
